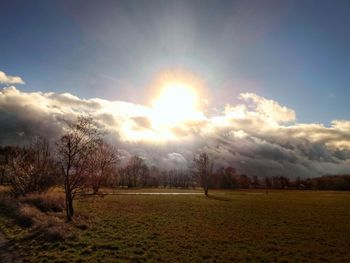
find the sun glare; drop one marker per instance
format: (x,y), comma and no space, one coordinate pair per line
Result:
(176,103)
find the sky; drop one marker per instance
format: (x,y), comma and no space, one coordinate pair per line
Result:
(261,85)
(294,52)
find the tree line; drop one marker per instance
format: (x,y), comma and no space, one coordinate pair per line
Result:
(82,162)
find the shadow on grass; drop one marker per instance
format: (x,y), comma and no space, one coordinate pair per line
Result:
(220,198)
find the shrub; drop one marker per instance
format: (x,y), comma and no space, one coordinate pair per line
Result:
(31,169)
(52,230)
(8,206)
(25,215)
(45,202)
(28,211)
(31,212)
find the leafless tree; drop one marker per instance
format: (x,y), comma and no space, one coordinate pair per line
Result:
(268,184)
(203,170)
(136,171)
(32,169)
(6,154)
(74,149)
(244,181)
(225,178)
(154,175)
(102,163)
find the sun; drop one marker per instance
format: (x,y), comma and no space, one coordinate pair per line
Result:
(176,103)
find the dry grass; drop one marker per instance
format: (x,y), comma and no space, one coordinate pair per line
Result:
(45,202)
(41,214)
(230,226)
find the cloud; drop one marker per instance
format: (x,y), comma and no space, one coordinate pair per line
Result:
(10,80)
(142,122)
(269,109)
(257,136)
(175,160)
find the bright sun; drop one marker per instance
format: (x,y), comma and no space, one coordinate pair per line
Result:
(176,103)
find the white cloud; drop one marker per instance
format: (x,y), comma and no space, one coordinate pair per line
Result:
(269,108)
(175,160)
(10,80)
(341,125)
(258,136)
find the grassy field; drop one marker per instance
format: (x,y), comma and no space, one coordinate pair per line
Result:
(237,226)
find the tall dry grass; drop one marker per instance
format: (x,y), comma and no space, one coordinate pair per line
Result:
(42,213)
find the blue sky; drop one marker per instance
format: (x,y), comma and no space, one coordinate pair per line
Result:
(294,52)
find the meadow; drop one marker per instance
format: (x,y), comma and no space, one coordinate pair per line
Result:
(227,226)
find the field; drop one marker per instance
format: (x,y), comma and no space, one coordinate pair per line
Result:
(229,226)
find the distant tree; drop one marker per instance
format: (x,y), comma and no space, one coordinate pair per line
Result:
(171,178)
(135,171)
(203,170)
(74,149)
(244,181)
(101,164)
(164,179)
(144,175)
(185,179)
(155,176)
(120,177)
(268,184)
(255,182)
(277,183)
(285,182)
(306,183)
(224,178)
(331,182)
(230,179)
(298,182)
(31,169)
(217,180)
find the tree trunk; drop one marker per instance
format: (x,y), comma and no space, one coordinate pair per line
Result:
(206,190)
(69,204)
(2,177)
(69,207)
(71,210)
(69,216)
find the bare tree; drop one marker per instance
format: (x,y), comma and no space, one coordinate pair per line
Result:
(32,169)
(268,184)
(102,163)
(74,149)
(155,175)
(6,154)
(136,171)
(255,182)
(203,170)
(244,181)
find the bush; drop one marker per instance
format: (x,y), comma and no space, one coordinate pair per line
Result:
(22,214)
(45,202)
(52,230)
(28,211)
(25,215)
(31,212)
(8,206)
(31,169)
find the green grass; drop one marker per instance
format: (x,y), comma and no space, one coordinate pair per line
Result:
(238,226)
